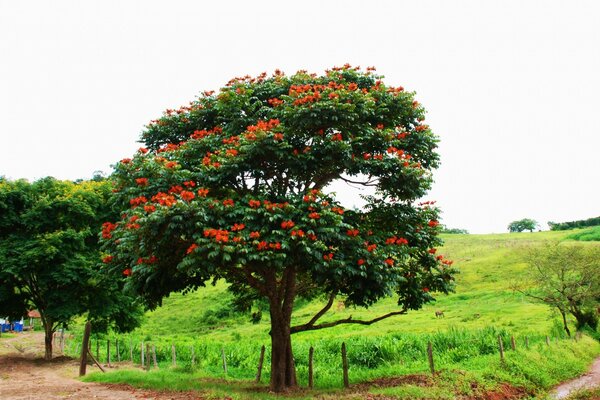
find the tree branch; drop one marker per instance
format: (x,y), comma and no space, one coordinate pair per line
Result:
(349,320)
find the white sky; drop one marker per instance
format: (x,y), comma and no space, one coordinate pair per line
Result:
(512,87)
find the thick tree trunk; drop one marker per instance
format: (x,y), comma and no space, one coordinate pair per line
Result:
(283,369)
(48,333)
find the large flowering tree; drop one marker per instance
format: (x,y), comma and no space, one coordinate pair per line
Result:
(234,187)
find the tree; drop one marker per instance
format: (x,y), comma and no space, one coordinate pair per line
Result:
(234,187)
(522,225)
(49,254)
(565,277)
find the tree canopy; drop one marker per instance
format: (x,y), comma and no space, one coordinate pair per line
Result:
(525,224)
(49,254)
(234,186)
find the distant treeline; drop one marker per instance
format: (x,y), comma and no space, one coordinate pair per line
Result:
(563,226)
(445,229)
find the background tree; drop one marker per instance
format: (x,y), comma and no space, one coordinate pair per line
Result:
(525,224)
(234,187)
(565,277)
(49,253)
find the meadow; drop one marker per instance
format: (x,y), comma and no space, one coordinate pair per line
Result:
(464,341)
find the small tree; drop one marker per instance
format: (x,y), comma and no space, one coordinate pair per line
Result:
(525,224)
(234,187)
(49,253)
(566,277)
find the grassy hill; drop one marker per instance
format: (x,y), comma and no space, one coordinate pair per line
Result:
(465,341)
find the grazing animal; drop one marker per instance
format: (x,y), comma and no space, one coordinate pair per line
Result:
(439,314)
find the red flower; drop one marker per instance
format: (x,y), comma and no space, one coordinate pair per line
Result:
(262,245)
(299,233)
(191,248)
(127,272)
(138,201)
(433,223)
(287,224)
(314,215)
(142,181)
(254,203)
(337,137)
(237,227)
(352,232)
(107,228)
(187,196)
(389,262)
(312,236)
(143,150)
(171,164)
(189,183)
(254,235)
(432,251)
(338,210)
(175,189)
(360,261)
(202,192)
(126,161)
(164,199)
(149,208)
(107,259)
(275,246)
(371,247)
(328,257)
(231,152)
(228,202)
(379,126)
(278,136)
(426,289)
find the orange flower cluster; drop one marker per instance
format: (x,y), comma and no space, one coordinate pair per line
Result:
(328,257)
(370,247)
(232,140)
(127,272)
(107,259)
(254,235)
(171,164)
(389,262)
(273,206)
(151,260)
(314,215)
(202,192)
(187,195)
(338,210)
(396,240)
(287,224)
(360,261)
(175,189)
(137,201)
(201,134)
(207,161)
(312,236)
(228,203)
(220,235)
(107,228)
(142,150)
(421,128)
(168,147)
(191,248)
(132,223)
(337,137)
(254,203)
(263,125)
(275,102)
(164,199)
(142,181)
(352,232)
(298,233)
(432,251)
(149,208)
(126,161)
(433,223)
(278,136)
(189,184)
(265,246)
(237,227)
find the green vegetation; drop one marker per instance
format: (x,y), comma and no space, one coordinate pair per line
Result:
(525,224)
(586,235)
(464,340)
(562,226)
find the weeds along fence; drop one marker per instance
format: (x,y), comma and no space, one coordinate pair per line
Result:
(402,353)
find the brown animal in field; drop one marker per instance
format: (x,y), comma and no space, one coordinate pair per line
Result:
(439,313)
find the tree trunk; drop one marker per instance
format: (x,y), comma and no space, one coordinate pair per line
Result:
(48,332)
(564,318)
(283,369)
(281,302)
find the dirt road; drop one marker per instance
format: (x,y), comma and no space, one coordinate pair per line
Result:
(590,380)
(25,375)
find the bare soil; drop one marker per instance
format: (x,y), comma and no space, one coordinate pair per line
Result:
(24,374)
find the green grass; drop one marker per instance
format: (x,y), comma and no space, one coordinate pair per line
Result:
(465,340)
(586,235)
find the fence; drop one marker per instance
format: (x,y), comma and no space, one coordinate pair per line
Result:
(313,360)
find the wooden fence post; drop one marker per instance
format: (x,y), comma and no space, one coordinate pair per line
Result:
(84,348)
(224,360)
(154,356)
(430,358)
(108,352)
(261,359)
(310,367)
(547,340)
(98,349)
(117,347)
(513,345)
(142,361)
(131,350)
(527,342)
(147,356)
(173,355)
(345,366)
(501,347)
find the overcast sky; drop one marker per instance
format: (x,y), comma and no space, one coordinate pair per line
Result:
(512,88)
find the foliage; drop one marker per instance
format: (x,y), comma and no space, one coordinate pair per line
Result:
(563,226)
(235,187)
(525,224)
(49,252)
(566,278)
(587,235)
(456,231)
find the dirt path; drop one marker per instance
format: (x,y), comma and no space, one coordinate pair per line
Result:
(25,375)
(589,380)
